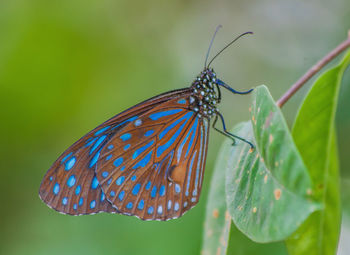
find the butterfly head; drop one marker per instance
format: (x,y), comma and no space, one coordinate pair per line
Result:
(205,96)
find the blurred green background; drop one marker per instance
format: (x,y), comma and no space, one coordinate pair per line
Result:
(67,66)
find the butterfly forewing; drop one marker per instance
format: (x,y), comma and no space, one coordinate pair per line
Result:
(138,157)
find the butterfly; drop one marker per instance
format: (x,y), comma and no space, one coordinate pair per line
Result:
(147,161)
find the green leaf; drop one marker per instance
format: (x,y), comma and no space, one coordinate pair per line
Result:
(267,188)
(217,220)
(239,244)
(345,197)
(314,134)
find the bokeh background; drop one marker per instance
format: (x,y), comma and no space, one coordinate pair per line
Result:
(66,66)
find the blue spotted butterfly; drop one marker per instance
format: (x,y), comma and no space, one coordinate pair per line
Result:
(147,161)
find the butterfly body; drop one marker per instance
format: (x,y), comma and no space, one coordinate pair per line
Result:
(205,96)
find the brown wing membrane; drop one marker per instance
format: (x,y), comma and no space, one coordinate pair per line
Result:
(70,186)
(153,168)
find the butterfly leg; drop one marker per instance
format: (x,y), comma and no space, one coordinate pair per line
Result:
(223,84)
(221,132)
(219,92)
(228,134)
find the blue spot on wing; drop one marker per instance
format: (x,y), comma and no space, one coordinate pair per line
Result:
(150,210)
(90,141)
(169,204)
(136,189)
(95,158)
(65,201)
(176,206)
(142,149)
(164,147)
(194,193)
(118,162)
(81,200)
(120,180)
(162,190)
(182,101)
(156,116)
(129,205)
(173,125)
(125,137)
(128,120)
(177,188)
(121,195)
(143,162)
(94,183)
(137,122)
(98,142)
(179,151)
(149,132)
(193,130)
(56,188)
(190,173)
(77,190)
(102,130)
(160,209)
(154,191)
(148,186)
(71,181)
(70,163)
(67,156)
(92,204)
(141,204)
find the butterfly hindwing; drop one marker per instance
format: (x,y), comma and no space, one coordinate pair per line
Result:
(153,167)
(70,186)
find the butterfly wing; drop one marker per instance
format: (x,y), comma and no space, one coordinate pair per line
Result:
(153,168)
(70,186)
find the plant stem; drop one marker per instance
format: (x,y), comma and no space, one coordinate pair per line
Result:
(313,70)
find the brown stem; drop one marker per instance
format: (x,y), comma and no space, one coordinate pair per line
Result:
(313,70)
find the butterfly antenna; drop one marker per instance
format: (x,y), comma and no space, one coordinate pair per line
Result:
(228,45)
(211,43)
